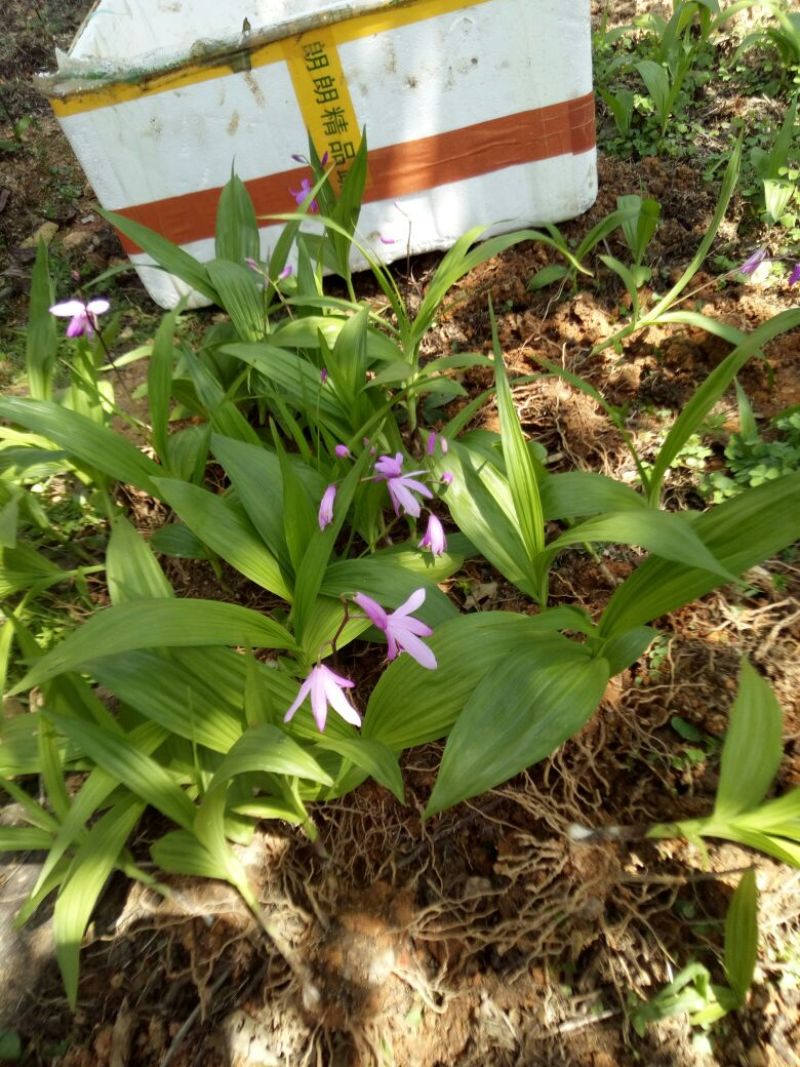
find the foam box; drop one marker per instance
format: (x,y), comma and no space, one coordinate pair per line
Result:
(478,112)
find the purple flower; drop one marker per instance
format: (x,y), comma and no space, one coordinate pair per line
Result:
(342,451)
(83,317)
(401,486)
(326,687)
(253,264)
(794,277)
(447,477)
(434,538)
(752,263)
(302,194)
(323,375)
(430,444)
(287,272)
(402,631)
(325,516)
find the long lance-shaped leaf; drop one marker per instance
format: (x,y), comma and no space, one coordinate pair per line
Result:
(255,473)
(663,533)
(411,706)
(141,773)
(710,391)
(523,477)
(522,710)
(260,749)
(296,375)
(479,500)
(740,533)
(159,382)
(83,440)
(166,254)
(753,749)
(92,796)
(236,237)
(184,702)
(41,343)
(157,624)
(93,863)
(312,569)
(23,839)
(741,935)
(666,302)
(132,571)
(226,531)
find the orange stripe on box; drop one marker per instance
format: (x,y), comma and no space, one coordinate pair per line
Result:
(566,128)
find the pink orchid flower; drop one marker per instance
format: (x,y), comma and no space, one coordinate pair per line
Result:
(325,516)
(402,630)
(434,537)
(83,317)
(325,688)
(401,486)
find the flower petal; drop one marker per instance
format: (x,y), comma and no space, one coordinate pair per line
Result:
(416,600)
(301,696)
(319,702)
(372,609)
(98,306)
(68,309)
(419,651)
(339,702)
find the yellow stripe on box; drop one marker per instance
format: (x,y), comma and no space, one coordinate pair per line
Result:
(324,99)
(351,29)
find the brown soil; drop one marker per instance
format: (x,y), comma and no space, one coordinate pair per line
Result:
(485,937)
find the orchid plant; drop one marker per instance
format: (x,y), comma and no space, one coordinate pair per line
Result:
(330,496)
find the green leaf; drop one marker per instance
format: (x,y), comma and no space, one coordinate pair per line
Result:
(480,502)
(41,341)
(372,757)
(24,567)
(179,852)
(166,254)
(553,272)
(184,700)
(132,571)
(312,570)
(236,234)
(527,705)
(93,863)
(119,757)
(226,531)
(297,376)
(159,382)
(223,414)
(665,533)
(268,749)
(578,493)
(24,839)
(741,936)
(521,469)
(657,81)
(241,296)
(300,521)
(711,390)
(157,624)
(255,473)
(84,441)
(753,747)
(740,533)
(412,706)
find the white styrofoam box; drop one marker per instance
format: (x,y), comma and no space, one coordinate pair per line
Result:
(478,112)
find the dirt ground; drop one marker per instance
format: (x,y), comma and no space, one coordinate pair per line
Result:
(485,937)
